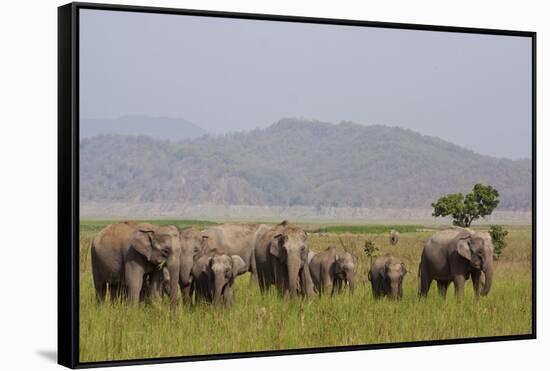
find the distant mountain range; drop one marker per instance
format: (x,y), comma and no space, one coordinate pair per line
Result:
(135,125)
(295,163)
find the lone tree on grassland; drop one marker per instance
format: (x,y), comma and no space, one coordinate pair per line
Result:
(479,203)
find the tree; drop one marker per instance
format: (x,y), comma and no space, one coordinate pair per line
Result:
(479,203)
(498,235)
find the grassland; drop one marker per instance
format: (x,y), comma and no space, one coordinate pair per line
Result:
(115,331)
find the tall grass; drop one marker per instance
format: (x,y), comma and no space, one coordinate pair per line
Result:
(114,331)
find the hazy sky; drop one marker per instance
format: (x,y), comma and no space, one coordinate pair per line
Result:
(228,75)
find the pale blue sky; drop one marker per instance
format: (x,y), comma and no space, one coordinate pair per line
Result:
(229,74)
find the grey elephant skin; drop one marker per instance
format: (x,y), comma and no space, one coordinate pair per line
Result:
(214,275)
(155,284)
(330,270)
(192,245)
(281,256)
(123,254)
(454,255)
(386,277)
(394,237)
(234,239)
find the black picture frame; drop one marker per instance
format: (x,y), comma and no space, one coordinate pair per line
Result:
(68,180)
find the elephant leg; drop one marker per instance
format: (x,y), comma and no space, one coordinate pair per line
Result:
(134,283)
(115,291)
(336,287)
(253,271)
(228,295)
(185,292)
(100,291)
(155,280)
(327,286)
(281,280)
(375,292)
(476,281)
(134,289)
(262,283)
(442,287)
(339,286)
(425,283)
(458,282)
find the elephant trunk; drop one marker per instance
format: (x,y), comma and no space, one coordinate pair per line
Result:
(293,270)
(173,269)
(488,270)
(185,278)
(394,289)
(306,282)
(219,283)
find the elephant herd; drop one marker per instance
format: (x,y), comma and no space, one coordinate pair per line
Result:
(142,261)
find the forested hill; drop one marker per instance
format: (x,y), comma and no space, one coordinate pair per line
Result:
(295,162)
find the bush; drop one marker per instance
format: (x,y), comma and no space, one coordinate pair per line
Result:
(498,234)
(370,248)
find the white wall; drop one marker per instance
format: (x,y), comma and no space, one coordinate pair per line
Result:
(28,79)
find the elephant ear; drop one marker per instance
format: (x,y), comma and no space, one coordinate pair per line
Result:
(463,248)
(239,266)
(143,242)
(277,244)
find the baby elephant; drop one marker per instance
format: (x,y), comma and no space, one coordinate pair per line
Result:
(386,276)
(156,284)
(330,270)
(213,276)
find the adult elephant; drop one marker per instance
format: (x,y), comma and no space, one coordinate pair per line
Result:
(453,255)
(214,274)
(123,254)
(234,239)
(281,256)
(330,270)
(192,244)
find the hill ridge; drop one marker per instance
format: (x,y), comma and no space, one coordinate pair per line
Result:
(296,163)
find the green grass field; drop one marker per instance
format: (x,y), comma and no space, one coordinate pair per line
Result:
(256,323)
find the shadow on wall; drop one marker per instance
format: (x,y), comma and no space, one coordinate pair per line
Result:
(50,355)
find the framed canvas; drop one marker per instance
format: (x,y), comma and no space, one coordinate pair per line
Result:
(241,185)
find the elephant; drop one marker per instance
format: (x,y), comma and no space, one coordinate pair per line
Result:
(386,276)
(234,239)
(192,244)
(155,284)
(394,237)
(281,256)
(214,274)
(123,254)
(453,255)
(330,269)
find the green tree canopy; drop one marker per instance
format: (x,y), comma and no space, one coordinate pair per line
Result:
(479,203)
